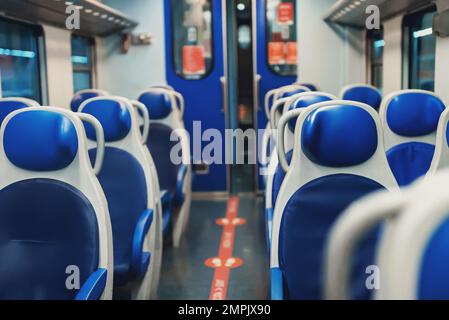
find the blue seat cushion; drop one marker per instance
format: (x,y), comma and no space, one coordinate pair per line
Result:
(7,107)
(339,136)
(39,140)
(123,181)
(302,103)
(160,148)
(45,227)
(367,95)
(414,114)
(409,161)
(306,223)
(113,116)
(78,100)
(278,178)
(158,104)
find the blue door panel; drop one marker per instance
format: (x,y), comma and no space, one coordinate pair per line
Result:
(269,80)
(203,97)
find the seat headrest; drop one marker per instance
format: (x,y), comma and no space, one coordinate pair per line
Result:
(113,115)
(158,104)
(304,102)
(290,93)
(414,114)
(311,86)
(40,141)
(339,136)
(82,96)
(364,94)
(8,106)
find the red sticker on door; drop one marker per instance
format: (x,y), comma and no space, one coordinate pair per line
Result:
(286,13)
(193,60)
(276,53)
(292,53)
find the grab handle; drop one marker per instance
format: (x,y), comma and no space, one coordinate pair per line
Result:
(146,119)
(281,133)
(181,105)
(346,234)
(279,103)
(99,139)
(268,96)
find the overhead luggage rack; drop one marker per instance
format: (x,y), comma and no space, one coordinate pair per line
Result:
(96,18)
(353,12)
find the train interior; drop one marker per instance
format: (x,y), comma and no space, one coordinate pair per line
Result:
(224,150)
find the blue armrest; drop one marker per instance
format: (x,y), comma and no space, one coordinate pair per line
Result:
(166,201)
(94,287)
(140,260)
(277,284)
(180,196)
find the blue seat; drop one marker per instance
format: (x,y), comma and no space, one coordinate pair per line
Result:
(55,239)
(8,105)
(363,93)
(285,141)
(332,165)
(127,181)
(410,119)
(413,259)
(175,175)
(84,95)
(180,103)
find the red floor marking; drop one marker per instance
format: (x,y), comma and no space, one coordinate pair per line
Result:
(225,261)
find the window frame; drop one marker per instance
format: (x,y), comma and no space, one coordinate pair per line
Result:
(91,69)
(372,36)
(407,38)
(268,32)
(39,38)
(210,70)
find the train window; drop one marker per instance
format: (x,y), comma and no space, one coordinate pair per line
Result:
(419,50)
(19,60)
(82,61)
(282,48)
(192,38)
(376,45)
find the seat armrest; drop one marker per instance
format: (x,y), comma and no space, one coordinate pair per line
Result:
(180,196)
(277,284)
(166,199)
(269,221)
(94,286)
(140,259)
(166,203)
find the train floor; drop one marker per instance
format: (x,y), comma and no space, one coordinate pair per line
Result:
(240,268)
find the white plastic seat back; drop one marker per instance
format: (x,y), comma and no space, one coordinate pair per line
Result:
(127,169)
(52,207)
(410,119)
(413,260)
(332,165)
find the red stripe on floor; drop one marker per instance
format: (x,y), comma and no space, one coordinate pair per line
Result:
(225,261)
